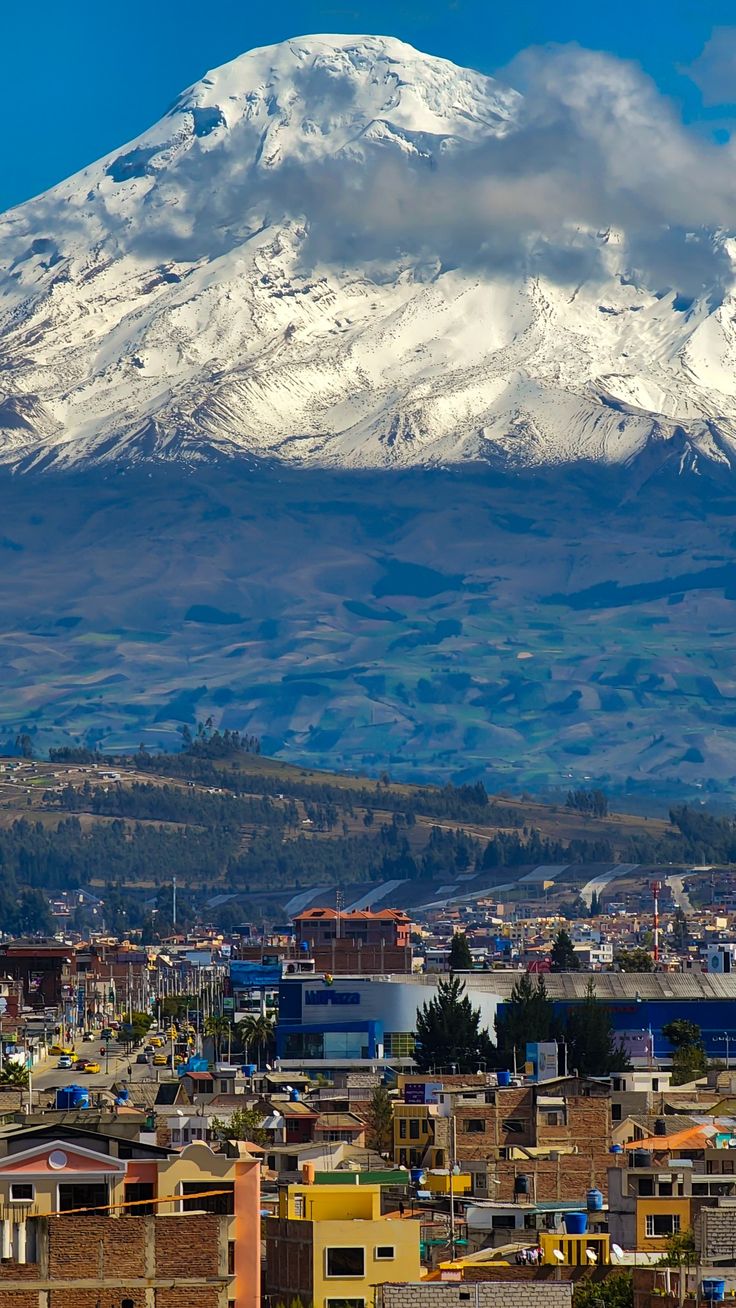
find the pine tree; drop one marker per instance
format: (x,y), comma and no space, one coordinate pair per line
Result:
(680,933)
(460,956)
(380,1121)
(527,1016)
(449,1031)
(591,1047)
(563,956)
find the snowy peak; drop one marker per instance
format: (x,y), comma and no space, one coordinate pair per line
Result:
(341,251)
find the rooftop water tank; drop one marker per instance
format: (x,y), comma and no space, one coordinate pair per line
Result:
(504,1078)
(575,1223)
(71,1096)
(660,1126)
(594,1201)
(521,1184)
(294,1096)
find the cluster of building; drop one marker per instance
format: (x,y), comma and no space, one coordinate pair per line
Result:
(332,1171)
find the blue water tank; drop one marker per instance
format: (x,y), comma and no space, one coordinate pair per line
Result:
(294,1096)
(714,1289)
(575,1223)
(504,1078)
(249,1069)
(594,1201)
(71,1096)
(417,1176)
(616,1149)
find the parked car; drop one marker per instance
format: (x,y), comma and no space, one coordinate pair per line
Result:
(65,1063)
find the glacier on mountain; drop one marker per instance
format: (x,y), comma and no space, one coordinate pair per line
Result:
(317,256)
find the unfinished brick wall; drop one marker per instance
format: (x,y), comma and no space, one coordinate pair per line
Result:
(87,1246)
(73,1298)
(188,1247)
(196,1296)
(18,1298)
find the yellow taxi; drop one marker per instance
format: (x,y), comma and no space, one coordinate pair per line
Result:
(157,1042)
(61,1049)
(160,1060)
(92,1067)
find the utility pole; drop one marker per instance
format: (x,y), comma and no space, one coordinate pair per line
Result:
(453,1165)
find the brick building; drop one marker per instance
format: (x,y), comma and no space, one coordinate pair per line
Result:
(82,1211)
(555,1134)
(358,942)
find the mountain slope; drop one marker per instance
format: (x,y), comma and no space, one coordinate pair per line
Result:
(306,261)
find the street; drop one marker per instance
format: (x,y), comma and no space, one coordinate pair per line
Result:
(47,1075)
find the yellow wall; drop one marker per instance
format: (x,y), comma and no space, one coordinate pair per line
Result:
(412,1113)
(330,1202)
(667,1204)
(439,1183)
(403,1235)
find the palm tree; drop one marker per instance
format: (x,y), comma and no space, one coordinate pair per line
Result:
(14,1074)
(256,1032)
(217,1028)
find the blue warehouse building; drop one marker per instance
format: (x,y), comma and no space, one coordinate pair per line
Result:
(328,1023)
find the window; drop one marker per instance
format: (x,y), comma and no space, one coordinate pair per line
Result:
(384,1252)
(646,1185)
(402,1128)
(231,1257)
(616,1113)
(555,1118)
(345,1303)
(21,1193)
(655,1083)
(414,1128)
(514,1126)
(135,1192)
(662,1225)
(345,1261)
(221,1204)
(92,1197)
(473,1125)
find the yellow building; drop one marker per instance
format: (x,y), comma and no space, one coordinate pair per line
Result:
(331,1247)
(657,1218)
(414,1141)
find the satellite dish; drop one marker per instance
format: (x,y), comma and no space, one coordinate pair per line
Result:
(591,1255)
(616,1248)
(558,1254)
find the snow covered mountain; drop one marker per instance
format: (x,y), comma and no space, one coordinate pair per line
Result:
(310,259)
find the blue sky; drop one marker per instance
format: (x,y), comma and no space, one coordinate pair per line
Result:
(80,79)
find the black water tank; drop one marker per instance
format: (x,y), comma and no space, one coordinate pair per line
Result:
(521,1184)
(660,1126)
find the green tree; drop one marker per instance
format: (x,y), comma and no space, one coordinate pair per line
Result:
(688,1059)
(527,1016)
(592,1049)
(256,1033)
(460,956)
(243,1124)
(680,1251)
(617,1291)
(14,1074)
(449,1032)
(680,932)
(380,1121)
(563,956)
(634,960)
(217,1028)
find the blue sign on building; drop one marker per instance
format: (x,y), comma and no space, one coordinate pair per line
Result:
(331,997)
